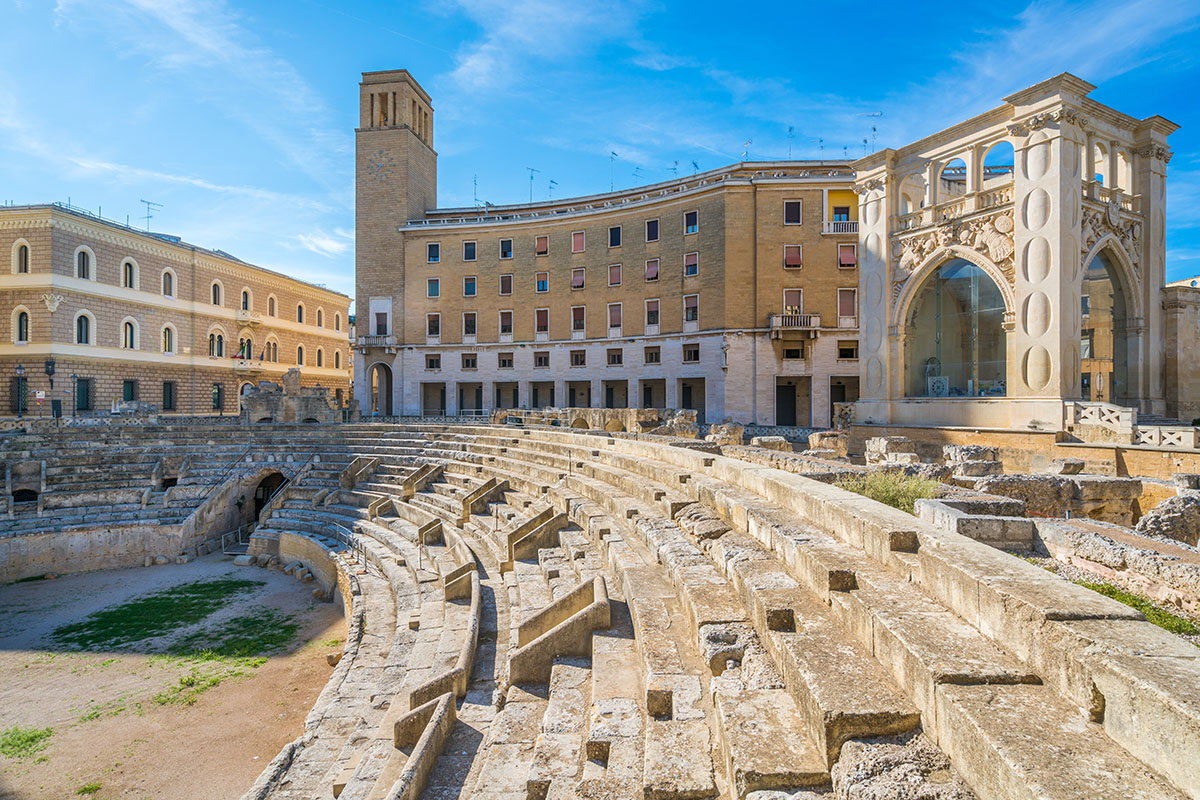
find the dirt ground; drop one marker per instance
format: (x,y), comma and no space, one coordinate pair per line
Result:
(108,728)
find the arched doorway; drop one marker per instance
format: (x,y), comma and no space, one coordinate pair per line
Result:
(955,343)
(1104,335)
(265,490)
(381,390)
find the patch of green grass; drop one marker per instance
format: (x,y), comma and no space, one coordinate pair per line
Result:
(89,788)
(1163,619)
(152,615)
(891,488)
(18,742)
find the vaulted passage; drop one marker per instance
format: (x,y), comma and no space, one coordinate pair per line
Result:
(1104,336)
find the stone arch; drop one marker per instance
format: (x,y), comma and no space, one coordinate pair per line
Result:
(1110,326)
(999,161)
(217,293)
(86,268)
(84,333)
(129,325)
(16,325)
(614,426)
(379,383)
(900,308)
(130,269)
(1125,270)
(579,423)
(20,259)
(168,282)
(247,299)
(266,484)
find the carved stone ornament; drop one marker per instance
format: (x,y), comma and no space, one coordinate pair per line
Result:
(1155,151)
(52,301)
(868,185)
(1039,121)
(991,235)
(1096,224)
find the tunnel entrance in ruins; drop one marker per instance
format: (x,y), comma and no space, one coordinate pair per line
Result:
(266,489)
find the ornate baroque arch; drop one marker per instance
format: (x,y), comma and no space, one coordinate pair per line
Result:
(908,291)
(1123,264)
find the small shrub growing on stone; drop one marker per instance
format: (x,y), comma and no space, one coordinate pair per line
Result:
(891,488)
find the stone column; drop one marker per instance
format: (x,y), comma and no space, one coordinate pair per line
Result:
(1150,178)
(878,198)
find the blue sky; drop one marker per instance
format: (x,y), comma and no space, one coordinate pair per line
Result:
(238,116)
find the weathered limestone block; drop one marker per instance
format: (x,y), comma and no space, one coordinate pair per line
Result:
(819,453)
(681,423)
(243,561)
(958,453)
(837,441)
(931,472)
(1065,466)
(161,560)
(888,444)
(726,433)
(1175,518)
(977,469)
(1186,480)
(905,766)
(1043,495)
(772,443)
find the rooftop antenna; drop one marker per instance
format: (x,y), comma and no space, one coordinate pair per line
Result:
(531,172)
(475,189)
(637,174)
(151,207)
(553,183)
(746,148)
(874,130)
(612,174)
(864,147)
(845,151)
(675,169)
(695,167)
(791,130)
(821,145)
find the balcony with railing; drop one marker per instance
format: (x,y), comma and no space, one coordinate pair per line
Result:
(246,317)
(378,340)
(842,226)
(781,323)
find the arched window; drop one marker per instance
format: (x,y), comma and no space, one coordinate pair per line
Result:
(953,179)
(275,352)
(320,357)
(129,335)
(300,356)
(216,344)
(271,306)
(998,162)
(21,259)
(129,274)
(83,329)
(245,300)
(337,322)
(216,294)
(300,313)
(955,335)
(21,327)
(320,318)
(245,347)
(168,340)
(83,265)
(168,283)
(337,359)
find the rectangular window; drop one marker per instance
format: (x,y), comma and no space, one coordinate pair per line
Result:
(83,394)
(433,324)
(542,282)
(614,275)
(1085,343)
(652,312)
(578,277)
(841,213)
(468,323)
(129,391)
(468,251)
(791,212)
(578,358)
(218,396)
(433,252)
(541,246)
(470,361)
(847,256)
(652,269)
(504,360)
(691,222)
(506,248)
(506,282)
(469,286)
(578,241)
(793,301)
(794,353)
(168,396)
(433,287)
(848,349)
(433,361)
(691,353)
(578,318)
(651,230)
(1085,305)
(614,236)
(848,303)
(653,355)
(691,307)
(616,357)
(381,323)
(691,264)
(541,359)
(614,315)
(541,319)
(506,322)
(793,256)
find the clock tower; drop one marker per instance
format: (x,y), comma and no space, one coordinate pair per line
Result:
(395,181)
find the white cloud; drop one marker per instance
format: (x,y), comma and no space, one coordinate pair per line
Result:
(324,244)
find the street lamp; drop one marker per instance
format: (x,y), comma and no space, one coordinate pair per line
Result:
(74,397)
(20,390)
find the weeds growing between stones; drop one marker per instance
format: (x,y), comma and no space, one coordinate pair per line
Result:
(891,488)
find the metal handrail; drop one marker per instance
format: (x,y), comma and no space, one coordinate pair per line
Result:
(236,532)
(287,481)
(226,470)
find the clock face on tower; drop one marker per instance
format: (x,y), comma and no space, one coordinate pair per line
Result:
(380,165)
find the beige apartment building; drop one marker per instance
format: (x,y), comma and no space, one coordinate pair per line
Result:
(128,316)
(733,292)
